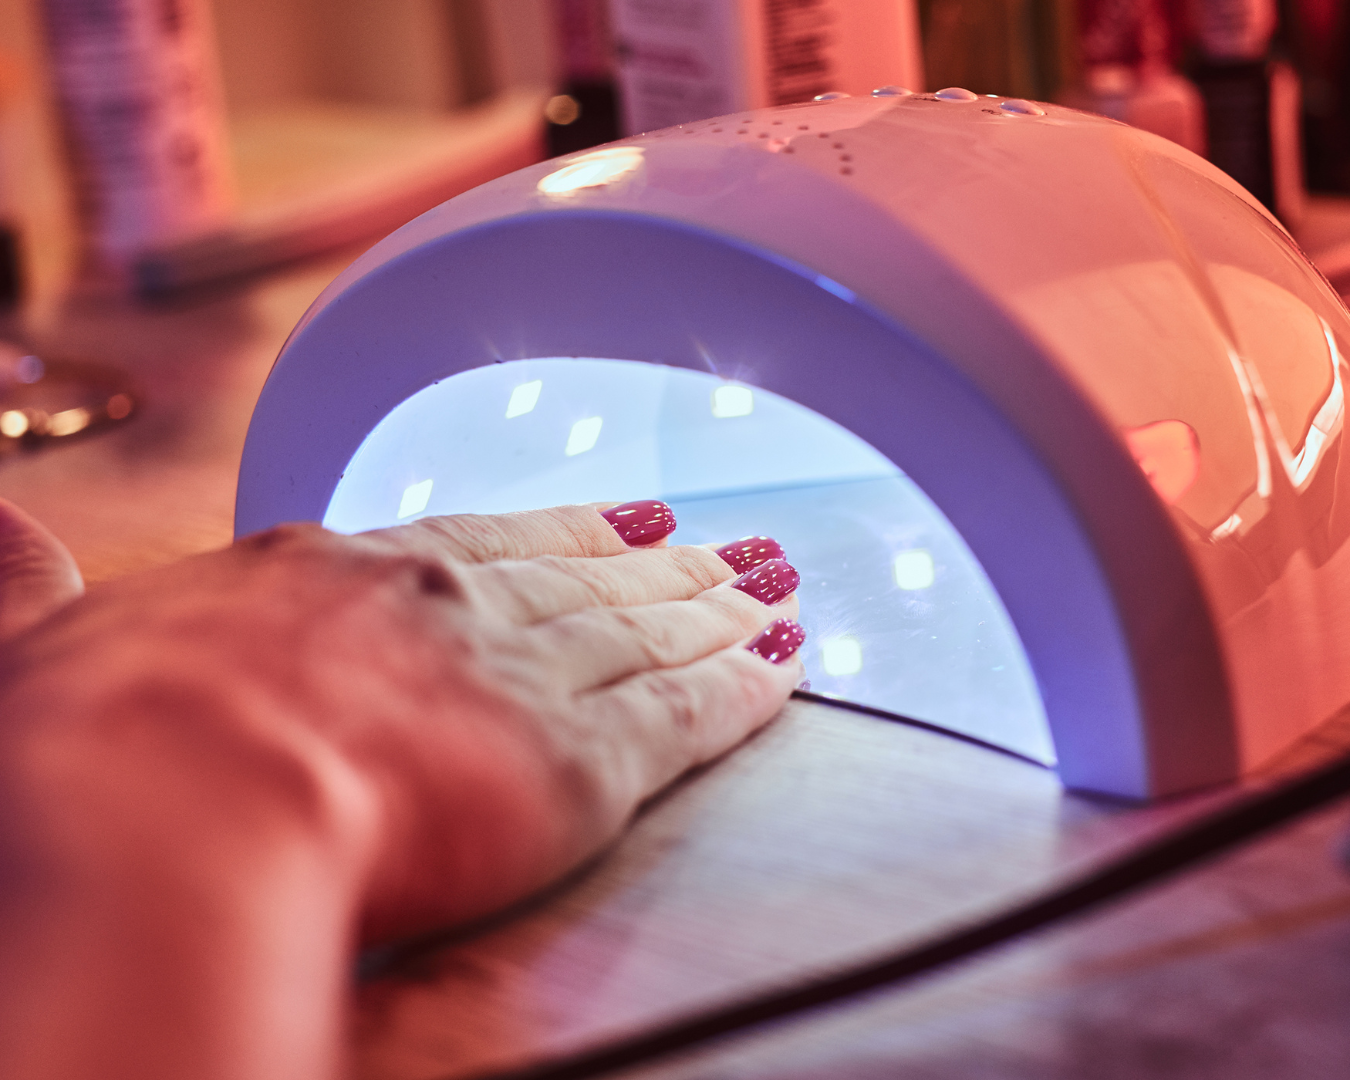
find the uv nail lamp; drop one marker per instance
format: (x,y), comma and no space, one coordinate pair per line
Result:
(1047,411)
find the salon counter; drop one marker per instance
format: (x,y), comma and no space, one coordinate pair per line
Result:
(829,836)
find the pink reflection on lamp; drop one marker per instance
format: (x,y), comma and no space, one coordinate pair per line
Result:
(1169,453)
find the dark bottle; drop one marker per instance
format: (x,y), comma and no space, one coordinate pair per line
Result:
(11,278)
(584,112)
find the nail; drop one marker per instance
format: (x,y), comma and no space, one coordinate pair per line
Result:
(749,551)
(770,583)
(640,523)
(778,641)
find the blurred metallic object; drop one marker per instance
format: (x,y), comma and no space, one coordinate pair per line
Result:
(45,402)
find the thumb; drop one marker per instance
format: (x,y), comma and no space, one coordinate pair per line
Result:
(37,573)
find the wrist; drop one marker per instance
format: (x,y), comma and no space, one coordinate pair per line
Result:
(179,878)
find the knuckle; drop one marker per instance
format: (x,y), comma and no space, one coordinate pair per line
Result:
(390,579)
(292,536)
(701,566)
(436,578)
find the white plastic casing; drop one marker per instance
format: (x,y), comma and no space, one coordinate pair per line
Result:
(1108,365)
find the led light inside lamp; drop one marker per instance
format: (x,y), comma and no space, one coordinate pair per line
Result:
(524,398)
(841,656)
(616,430)
(583,435)
(914,569)
(415,498)
(732,400)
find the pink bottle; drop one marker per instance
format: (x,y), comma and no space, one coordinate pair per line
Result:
(140,101)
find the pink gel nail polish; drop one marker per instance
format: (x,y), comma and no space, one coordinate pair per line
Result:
(770,583)
(778,641)
(640,523)
(749,551)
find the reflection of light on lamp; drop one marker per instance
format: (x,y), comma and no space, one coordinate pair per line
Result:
(1241,372)
(914,569)
(583,435)
(1169,454)
(732,400)
(524,398)
(13,423)
(415,498)
(1227,527)
(68,421)
(595,169)
(1324,423)
(841,656)
(832,286)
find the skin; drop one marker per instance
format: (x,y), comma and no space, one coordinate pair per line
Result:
(221,779)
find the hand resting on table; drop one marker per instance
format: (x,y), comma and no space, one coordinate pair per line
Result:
(219,779)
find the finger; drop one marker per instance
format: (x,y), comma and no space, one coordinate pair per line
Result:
(644,523)
(748,552)
(569,531)
(37,573)
(663,542)
(597,646)
(530,592)
(660,723)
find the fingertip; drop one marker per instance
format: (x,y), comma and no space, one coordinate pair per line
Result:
(641,523)
(38,574)
(778,642)
(750,551)
(770,582)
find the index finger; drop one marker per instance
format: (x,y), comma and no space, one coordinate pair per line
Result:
(568,531)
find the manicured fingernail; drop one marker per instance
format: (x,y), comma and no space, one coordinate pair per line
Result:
(770,583)
(777,641)
(640,523)
(749,551)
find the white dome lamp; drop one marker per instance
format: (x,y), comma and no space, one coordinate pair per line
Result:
(1112,382)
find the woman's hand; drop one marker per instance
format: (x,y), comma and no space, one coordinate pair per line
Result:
(217,778)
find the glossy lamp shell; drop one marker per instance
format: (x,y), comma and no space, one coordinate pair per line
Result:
(1109,367)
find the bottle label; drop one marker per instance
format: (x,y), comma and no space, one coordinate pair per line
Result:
(680,60)
(683,60)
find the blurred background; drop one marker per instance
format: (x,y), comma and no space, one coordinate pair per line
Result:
(151,146)
(180,178)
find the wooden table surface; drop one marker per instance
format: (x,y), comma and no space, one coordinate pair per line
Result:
(830,835)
